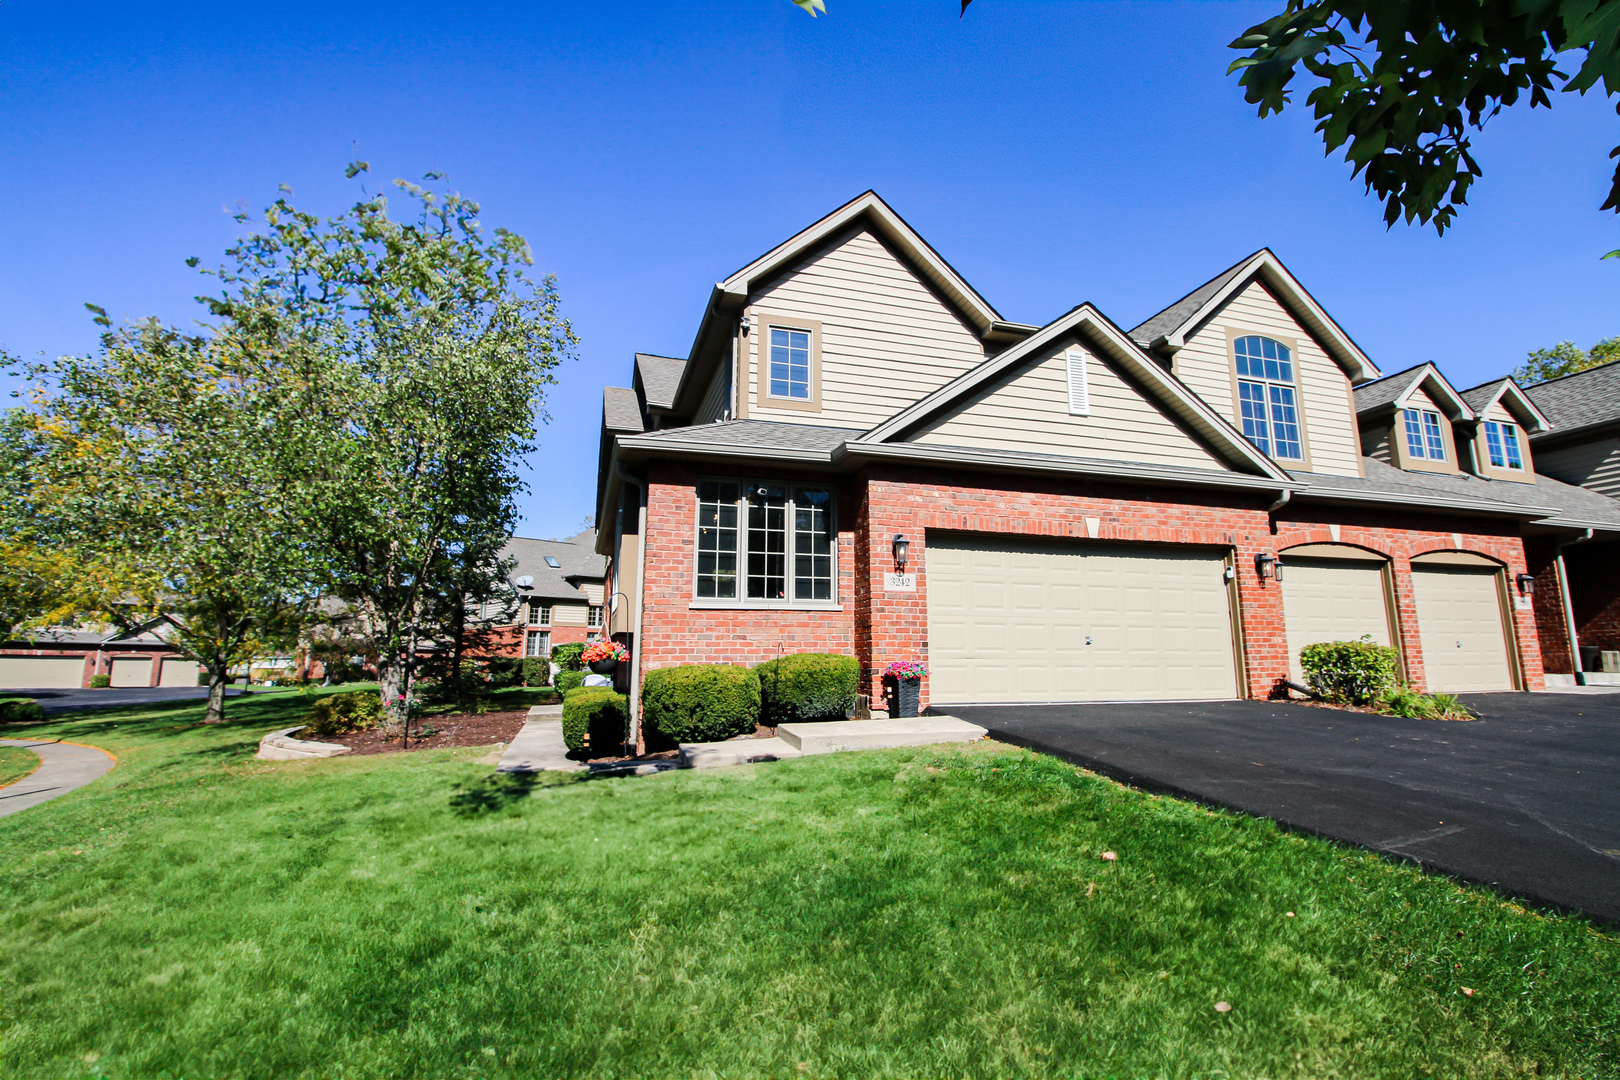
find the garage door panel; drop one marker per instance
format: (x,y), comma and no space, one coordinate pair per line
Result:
(1459,612)
(41,672)
(1332,600)
(129,672)
(1158,621)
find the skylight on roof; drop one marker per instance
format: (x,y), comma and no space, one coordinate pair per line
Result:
(553,563)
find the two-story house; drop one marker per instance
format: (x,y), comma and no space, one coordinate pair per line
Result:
(860,455)
(559,585)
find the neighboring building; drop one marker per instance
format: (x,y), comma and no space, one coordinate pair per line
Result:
(67,659)
(1580,446)
(860,455)
(560,594)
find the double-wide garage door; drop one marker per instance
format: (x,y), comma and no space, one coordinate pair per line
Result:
(41,672)
(1012,620)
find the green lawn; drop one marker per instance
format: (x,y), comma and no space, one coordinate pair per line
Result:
(15,762)
(925,913)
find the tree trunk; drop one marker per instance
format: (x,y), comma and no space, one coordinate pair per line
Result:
(390,676)
(216,692)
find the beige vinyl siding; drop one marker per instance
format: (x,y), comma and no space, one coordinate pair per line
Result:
(564,613)
(887,340)
(1205,365)
(592,591)
(717,398)
(1029,411)
(1594,465)
(1375,444)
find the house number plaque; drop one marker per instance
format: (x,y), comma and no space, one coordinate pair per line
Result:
(899,582)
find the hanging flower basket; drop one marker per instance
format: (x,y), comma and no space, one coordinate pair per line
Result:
(603,657)
(905,686)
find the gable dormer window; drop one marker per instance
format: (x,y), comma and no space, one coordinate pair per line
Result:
(1268,402)
(1424,442)
(1502,444)
(790,363)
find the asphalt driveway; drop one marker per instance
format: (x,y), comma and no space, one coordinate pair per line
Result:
(1526,798)
(60,701)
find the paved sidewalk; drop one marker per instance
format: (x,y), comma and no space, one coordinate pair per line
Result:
(66,766)
(539,747)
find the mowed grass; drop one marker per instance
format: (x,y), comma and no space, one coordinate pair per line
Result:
(931,912)
(15,762)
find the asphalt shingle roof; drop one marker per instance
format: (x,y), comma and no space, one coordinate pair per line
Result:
(1422,487)
(1579,400)
(621,411)
(660,378)
(1383,391)
(1479,396)
(576,558)
(1156,326)
(760,434)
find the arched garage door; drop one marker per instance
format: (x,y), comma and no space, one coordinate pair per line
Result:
(1460,619)
(1013,620)
(1332,592)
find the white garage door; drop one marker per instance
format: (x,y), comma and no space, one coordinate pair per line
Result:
(178,672)
(1331,600)
(132,671)
(41,672)
(1012,620)
(1459,613)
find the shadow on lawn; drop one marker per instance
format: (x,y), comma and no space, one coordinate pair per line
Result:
(494,792)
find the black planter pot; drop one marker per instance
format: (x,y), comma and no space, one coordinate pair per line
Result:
(904,697)
(604,667)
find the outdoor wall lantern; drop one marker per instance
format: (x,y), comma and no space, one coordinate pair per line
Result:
(1526,582)
(1268,566)
(901,546)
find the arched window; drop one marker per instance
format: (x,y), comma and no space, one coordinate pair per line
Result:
(1267,400)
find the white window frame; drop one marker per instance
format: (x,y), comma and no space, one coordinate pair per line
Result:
(747,487)
(1505,433)
(1269,421)
(539,613)
(594,617)
(1430,430)
(1079,380)
(537,643)
(771,330)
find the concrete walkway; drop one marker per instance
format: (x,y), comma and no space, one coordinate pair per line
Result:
(539,747)
(66,766)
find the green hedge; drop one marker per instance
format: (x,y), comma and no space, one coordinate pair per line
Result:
(567,656)
(100,682)
(1350,672)
(570,680)
(21,711)
(594,720)
(700,702)
(536,671)
(339,714)
(808,686)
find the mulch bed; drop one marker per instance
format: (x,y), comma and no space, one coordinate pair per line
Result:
(460,729)
(1364,709)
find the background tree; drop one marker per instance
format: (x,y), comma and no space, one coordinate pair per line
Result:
(434,350)
(163,475)
(1565,358)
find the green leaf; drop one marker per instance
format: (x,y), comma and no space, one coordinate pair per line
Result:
(811,6)
(100,315)
(355,168)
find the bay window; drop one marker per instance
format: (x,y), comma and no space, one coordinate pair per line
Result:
(766,542)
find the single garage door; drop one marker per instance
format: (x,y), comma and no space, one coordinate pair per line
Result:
(132,671)
(1012,620)
(178,672)
(1459,612)
(1332,599)
(41,672)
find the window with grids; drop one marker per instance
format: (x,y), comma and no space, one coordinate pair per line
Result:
(1267,399)
(593,616)
(537,643)
(1502,444)
(539,614)
(790,363)
(767,541)
(1423,439)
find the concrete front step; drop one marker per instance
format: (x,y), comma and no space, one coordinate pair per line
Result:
(711,755)
(831,736)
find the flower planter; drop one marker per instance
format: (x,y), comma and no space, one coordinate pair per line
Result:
(905,697)
(604,667)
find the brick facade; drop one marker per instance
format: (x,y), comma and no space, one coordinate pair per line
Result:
(881,501)
(1594,586)
(98,661)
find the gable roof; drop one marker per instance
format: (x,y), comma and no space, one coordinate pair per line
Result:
(1480,398)
(621,409)
(660,378)
(576,559)
(1170,328)
(1165,389)
(1585,399)
(1395,391)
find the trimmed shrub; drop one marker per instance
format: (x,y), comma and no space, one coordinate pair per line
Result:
(21,711)
(536,671)
(594,721)
(100,682)
(807,686)
(700,702)
(569,680)
(567,656)
(1349,672)
(339,714)
(504,671)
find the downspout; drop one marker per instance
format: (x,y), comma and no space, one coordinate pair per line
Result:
(1282,501)
(641,593)
(1569,607)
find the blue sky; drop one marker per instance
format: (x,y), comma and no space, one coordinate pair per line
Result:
(1054,153)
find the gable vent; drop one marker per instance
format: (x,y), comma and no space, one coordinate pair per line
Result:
(1079,387)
